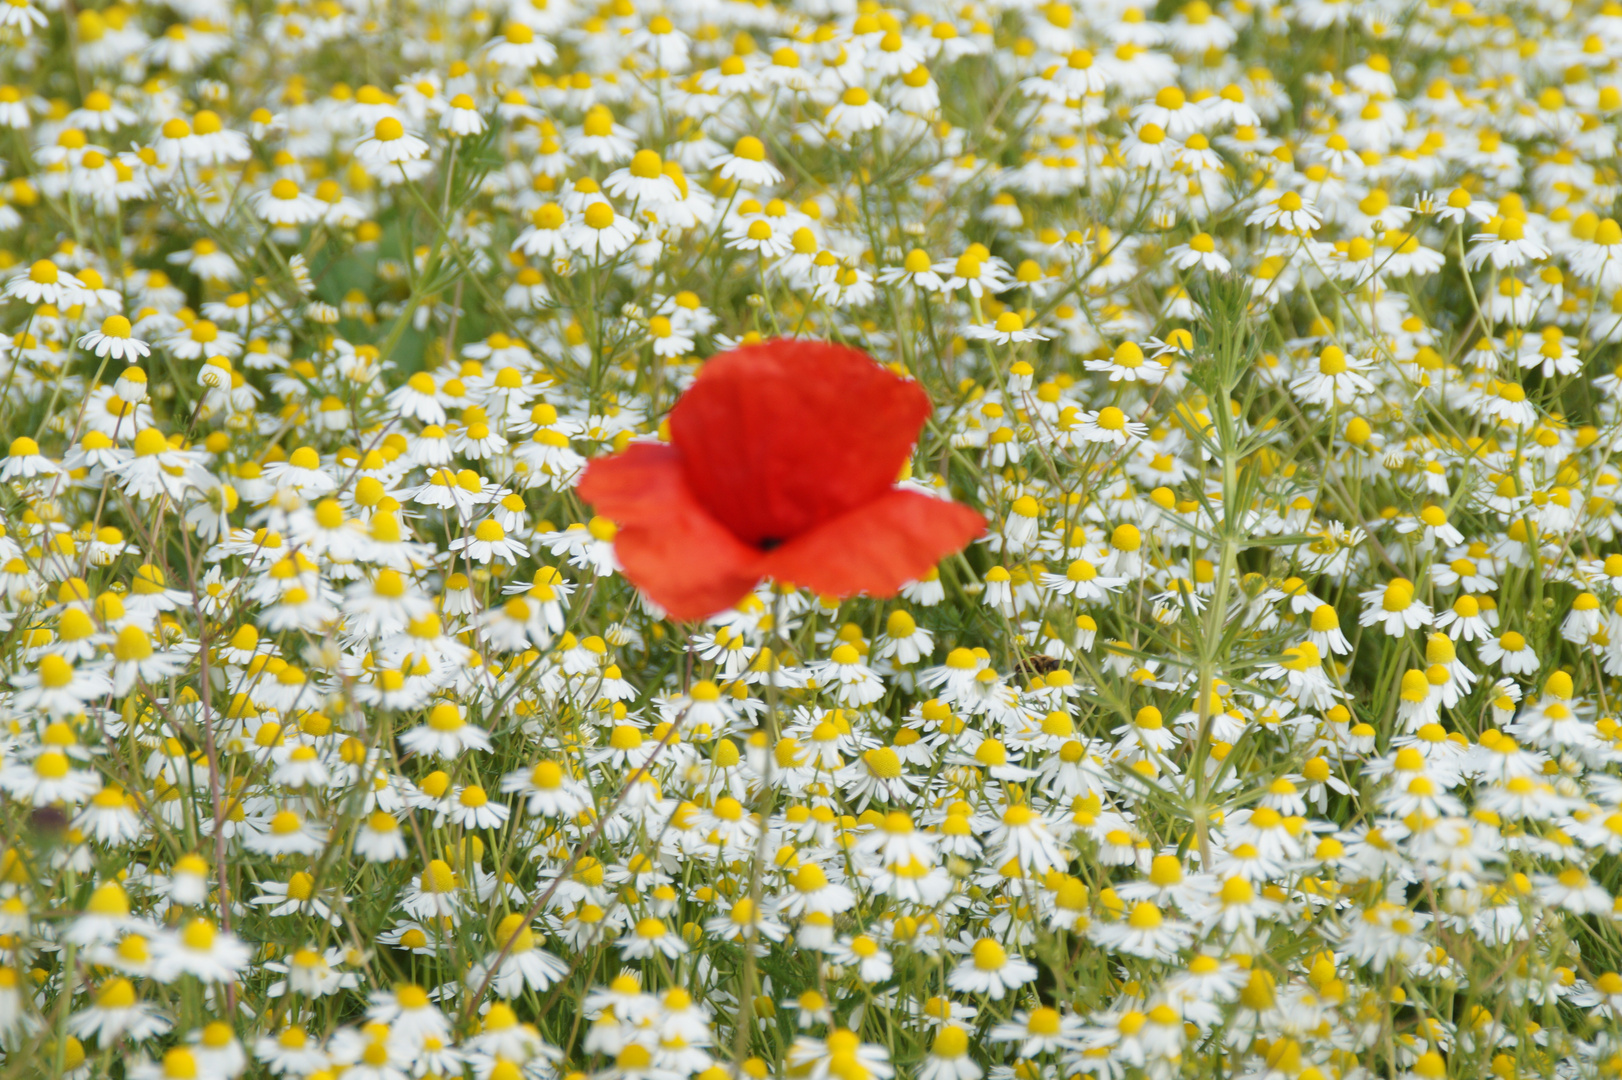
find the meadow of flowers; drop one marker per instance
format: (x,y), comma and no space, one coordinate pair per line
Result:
(1190,646)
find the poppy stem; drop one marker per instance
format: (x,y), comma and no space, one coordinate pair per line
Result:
(744,1022)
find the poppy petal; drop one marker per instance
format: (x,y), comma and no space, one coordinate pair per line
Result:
(670,547)
(878,547)
(633,484)
(780,437)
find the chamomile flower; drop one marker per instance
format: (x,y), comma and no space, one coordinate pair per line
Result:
(117,340)
(1507,247)
(1510,652)
(649,937)
(855,112)
(1008,329)
(462,117)
(988,968)
(24,461)
(1338,379)
(525,966)
(446,733)
(600,232)
(1200,251)
(1394,608)
(520,47)
(1128,364)
(390,144)
(45,283)
(1288,212)
(284,204)
(199,948)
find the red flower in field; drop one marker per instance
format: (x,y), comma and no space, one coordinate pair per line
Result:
(781,463)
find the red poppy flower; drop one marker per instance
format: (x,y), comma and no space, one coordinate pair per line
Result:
(781,463)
